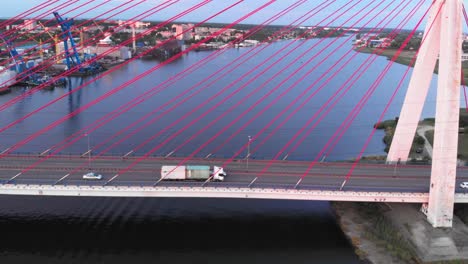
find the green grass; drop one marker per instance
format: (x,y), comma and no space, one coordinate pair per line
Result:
(384,233)
(461,210)
(430,136)
(386,124)
(406,58)
(463,146)
(428,122)
(462,143)
(389,127)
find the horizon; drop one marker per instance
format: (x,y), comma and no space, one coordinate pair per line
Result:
(10,10)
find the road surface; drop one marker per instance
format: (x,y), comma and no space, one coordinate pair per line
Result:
(68,170)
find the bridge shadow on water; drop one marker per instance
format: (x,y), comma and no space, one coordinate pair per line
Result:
(141,230)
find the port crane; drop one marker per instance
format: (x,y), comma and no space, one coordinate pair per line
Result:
(72,57)
(20,65)
(26,72)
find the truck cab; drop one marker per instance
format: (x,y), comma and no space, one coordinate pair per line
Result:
(218,174)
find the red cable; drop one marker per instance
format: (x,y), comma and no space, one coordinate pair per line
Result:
(463,74)
(26,13)
(212,97)
(74,69)
(94,79)
(395,92)
(13,58)
(185,127)
(347,123)
(61,120)
(291,114)
(252,31)
(148,153)
(370,91)
(272,56)
(57,55)
(41,16)
(464,89)
(35,27)
(297,98)
(371,60)
(150,93)
(54,59)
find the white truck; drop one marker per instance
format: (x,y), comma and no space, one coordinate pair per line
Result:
(192,173)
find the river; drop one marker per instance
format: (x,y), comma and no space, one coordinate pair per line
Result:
(117,230)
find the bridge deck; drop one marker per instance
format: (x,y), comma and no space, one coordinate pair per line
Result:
(369,182)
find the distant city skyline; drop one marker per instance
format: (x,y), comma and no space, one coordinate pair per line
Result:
(13,8)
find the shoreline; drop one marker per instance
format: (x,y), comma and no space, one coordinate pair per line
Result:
(384,233)
(356,227)
(406,58)
(400,233)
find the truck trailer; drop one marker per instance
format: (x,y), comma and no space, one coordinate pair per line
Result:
(192,173)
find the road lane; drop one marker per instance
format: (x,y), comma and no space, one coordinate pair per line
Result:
(326,176)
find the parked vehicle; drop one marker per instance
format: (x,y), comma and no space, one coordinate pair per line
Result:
(192,173)
(464,185)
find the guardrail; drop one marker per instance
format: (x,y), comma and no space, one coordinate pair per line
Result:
(216,192)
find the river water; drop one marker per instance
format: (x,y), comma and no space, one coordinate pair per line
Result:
(117,230)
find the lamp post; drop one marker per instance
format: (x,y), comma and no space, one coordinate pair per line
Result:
(89,152)
(248,151)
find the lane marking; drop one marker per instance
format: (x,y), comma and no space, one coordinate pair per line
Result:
(323,158)
(342,185)
(297,184)
(111,179)
(207,180)
(44,152)
(6,150)
(252,182)
(62,179)
(129,153)
(14,177)
(170,153)
(156,183)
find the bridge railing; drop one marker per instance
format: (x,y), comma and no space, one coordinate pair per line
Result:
(74,155)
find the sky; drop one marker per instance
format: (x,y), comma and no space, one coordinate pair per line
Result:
(350,18)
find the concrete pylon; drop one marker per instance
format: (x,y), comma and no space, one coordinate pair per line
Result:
(417,90)
(443,38)
(444,158)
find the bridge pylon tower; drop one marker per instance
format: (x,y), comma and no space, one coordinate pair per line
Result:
(443,41)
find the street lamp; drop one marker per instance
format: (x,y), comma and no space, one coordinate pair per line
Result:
(248,151)
(89,152)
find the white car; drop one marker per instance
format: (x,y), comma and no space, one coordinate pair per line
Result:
(92,176)
(464,185)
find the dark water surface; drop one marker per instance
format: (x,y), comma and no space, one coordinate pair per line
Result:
(114,230)
(126,230)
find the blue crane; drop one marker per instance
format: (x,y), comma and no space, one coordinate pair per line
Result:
(72,56)
(20,64)
(26,73)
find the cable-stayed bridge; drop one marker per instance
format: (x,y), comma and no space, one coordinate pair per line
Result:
(371,182)
(278,178)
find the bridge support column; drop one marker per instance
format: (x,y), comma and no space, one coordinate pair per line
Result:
(444,38)
(417,90)
(444,159)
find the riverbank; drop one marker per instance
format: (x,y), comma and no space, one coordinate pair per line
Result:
(406,58)
(421,150)
(399,233)
(365,228)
